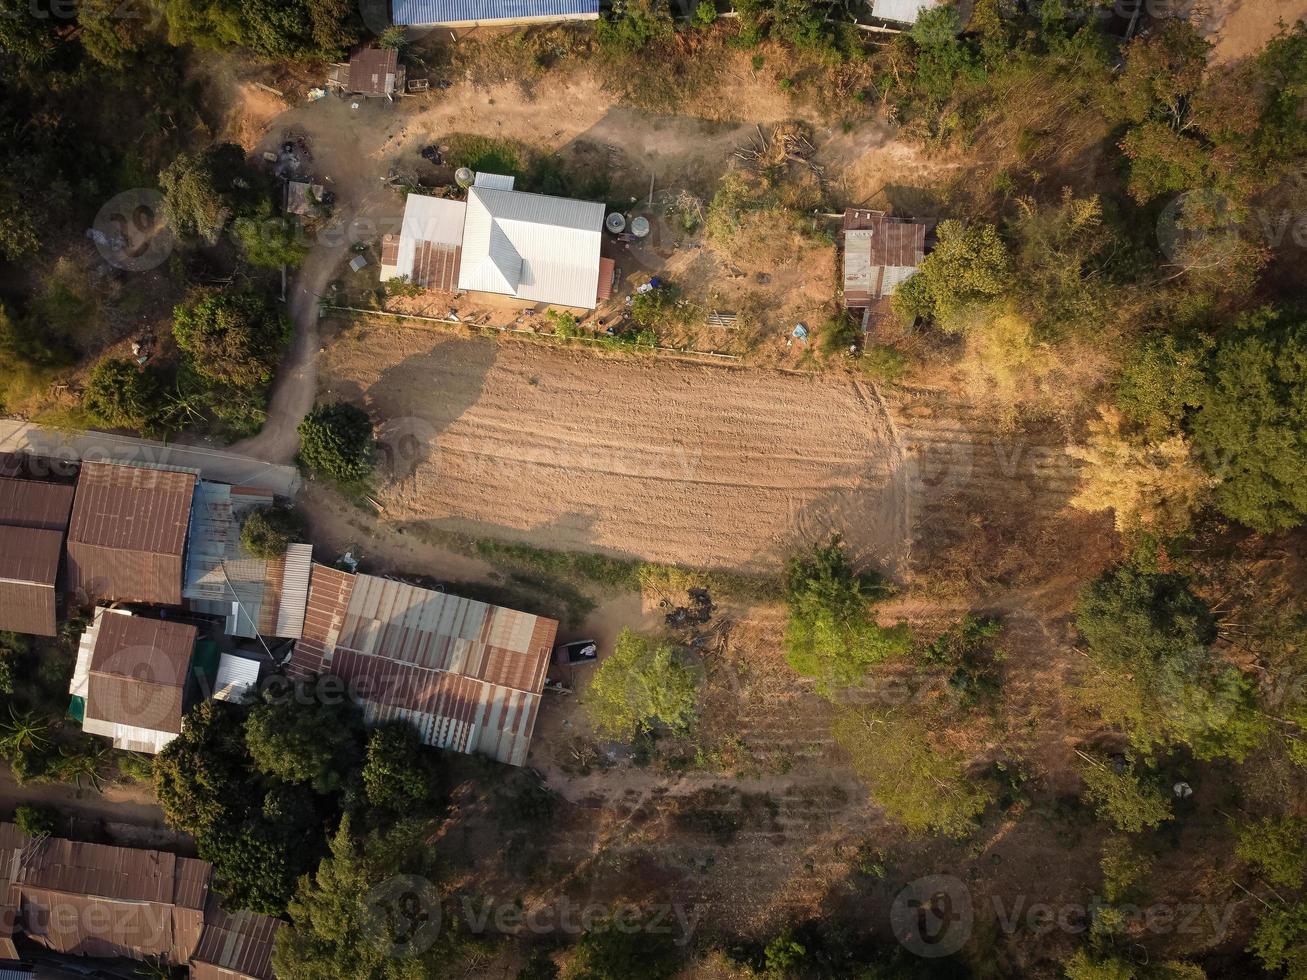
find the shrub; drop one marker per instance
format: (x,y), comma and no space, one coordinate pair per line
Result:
(641,685)
(231,338)
(1125,799)
(35,821)
(120,394)
(336,441)
(268,531)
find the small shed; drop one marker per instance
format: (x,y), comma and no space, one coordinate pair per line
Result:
(881,251)
(302,197)
(237,676)
(33,520)
(372,71)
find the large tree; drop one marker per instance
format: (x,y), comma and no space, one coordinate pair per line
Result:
(1251,428)
(1154,671)
(639,686)
(336,441)
(317,748)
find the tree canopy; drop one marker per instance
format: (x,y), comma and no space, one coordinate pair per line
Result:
(640,685)
(268,531)
(121,394)
(336,441)
(232,338)
(831,633)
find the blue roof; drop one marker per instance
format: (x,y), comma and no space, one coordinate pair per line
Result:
(417,12)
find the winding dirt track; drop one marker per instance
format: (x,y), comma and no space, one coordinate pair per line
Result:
(659,459)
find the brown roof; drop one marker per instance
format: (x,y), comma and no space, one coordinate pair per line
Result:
(235,945)
(607,272)
(879,248)
(139,672)
(29,564)
(104,901)
(435,265)
(372,70)
(128,533)
(28,503)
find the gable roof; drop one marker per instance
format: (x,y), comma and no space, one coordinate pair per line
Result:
(467,674)
(235,946)
(373,70)
(33,519)
(434,12)
(30,503)
(128,532)
(139,671)
(532,246)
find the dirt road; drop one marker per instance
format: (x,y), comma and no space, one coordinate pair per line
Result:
(658,459)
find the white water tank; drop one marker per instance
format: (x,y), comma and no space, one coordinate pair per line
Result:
(464,177)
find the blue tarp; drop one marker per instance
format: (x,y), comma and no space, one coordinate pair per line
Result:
(412,13)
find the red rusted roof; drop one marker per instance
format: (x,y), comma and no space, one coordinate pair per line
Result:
(29,564)
(880,251)
(139,670)
(128,533)
(607,270)
(372,70)
(29,503)
(235,946)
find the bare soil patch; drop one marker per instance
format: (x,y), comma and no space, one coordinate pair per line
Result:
(1239,28)
(644,457)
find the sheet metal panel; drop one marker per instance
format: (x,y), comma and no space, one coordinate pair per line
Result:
(30,503)
(235,945)
(292,591)
(27,607)
(456,12)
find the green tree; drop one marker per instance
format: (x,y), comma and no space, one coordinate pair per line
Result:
(336,441)
(110,35)
(1277,847)
(633,25)
(968,268)
(268,531)
(193,201)
(35,821)
(269,241)
(611,951)
(317,748)
(831,634)
(1124,868)
(1161,380)
(199,777)
(1154,670)
(1251,427)
(399,773)
(1127,800)
(918,781)
(232,338)
(641,685)
(120,394)
(370,912)
(1280,939)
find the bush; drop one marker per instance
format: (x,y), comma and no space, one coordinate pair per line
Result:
(831,634)
(268,531)
(35,821)
(120,394)
(232,338)
(336,441)
(1128,801)
(641,685)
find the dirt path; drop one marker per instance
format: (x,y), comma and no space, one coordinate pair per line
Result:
(297,378)
(651,458)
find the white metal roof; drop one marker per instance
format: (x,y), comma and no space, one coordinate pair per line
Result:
(426,219)
(236,676)
(496,182)
(537,248)
(903,11)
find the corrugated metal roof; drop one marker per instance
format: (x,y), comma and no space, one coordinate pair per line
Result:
(292,590)
(373,70)
(128,532)
(29,503)
(880,252)
(467,674)
(29,565)
(236,677)
(428,246)
(139,669)
(496,182)
(532,246)
(903,11)
(235,945)
(452,12)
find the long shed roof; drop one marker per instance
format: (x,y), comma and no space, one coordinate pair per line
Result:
(456,12)
(139,671)
(467,674)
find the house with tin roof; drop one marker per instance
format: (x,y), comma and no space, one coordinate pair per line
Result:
(104,901)
(476,13)
(134,681)
(127,533)
(370,71)
(881,252)
(467,675)
(33,520)
(533,247)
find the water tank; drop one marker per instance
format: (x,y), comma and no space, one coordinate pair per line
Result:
(464,177)
(615,223)
(639,226)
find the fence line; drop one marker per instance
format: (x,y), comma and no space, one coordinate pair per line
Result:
(685,352)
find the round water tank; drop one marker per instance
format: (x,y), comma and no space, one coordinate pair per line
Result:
(640,226)
(615,223)
(464,177)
